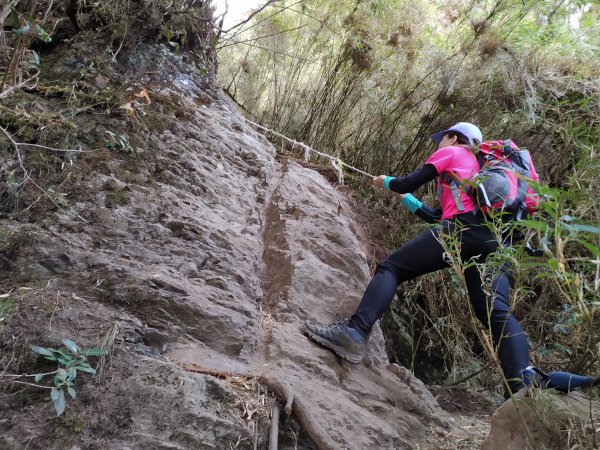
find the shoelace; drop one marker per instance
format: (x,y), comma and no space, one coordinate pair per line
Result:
(340,322)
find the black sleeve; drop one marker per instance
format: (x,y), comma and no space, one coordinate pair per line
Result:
(428,214)
(411,182)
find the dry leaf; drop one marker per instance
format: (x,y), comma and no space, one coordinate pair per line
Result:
(129,108)
(144,94)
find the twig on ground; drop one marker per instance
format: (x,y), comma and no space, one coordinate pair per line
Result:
(25,144)
(23,375)
(471,375)
(11,89)
(27,384)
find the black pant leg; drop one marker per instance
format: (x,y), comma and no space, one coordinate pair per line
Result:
(495,315)
(423,254)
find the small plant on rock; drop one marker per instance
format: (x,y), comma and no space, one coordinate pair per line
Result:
(70,359)
(119,143)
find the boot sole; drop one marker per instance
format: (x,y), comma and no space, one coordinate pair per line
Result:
(340,351)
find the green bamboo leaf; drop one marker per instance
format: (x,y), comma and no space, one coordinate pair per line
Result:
(54,394)
(567,218)
(72,346)
(60,403)
(38,377)
(93,352)
(531,265)
(536,224)
(42,350)
(563,348)
(72,373)
(591,247)
(87,369)
(584,228)
(72,363)
(71,392)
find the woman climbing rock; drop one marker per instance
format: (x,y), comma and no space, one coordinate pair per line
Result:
(459,217)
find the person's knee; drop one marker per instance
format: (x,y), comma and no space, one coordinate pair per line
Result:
(481,308)
(387,268)
(503,319)
(482,315)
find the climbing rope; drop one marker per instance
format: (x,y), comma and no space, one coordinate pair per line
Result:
(337,163)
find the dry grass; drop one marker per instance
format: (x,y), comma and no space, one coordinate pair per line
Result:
(469,434)
(108,344)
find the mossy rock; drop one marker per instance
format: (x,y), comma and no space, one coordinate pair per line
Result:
(117,198)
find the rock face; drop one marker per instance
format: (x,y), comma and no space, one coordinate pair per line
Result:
(535,420)
(199,261)
(315,269)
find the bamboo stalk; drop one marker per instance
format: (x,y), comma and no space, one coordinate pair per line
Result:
(274,437)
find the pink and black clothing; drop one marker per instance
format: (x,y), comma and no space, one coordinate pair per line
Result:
(424,254)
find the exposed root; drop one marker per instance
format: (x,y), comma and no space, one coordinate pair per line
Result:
(293,404)
(314,430)
(288,406)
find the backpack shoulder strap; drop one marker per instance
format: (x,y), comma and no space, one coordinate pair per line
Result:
(454,188)
(521,162)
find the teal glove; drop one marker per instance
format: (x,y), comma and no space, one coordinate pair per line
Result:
(386,183)
(411,202)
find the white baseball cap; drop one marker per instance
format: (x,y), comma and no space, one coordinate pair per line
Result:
(468,130)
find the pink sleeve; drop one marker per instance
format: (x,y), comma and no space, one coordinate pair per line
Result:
(441,159)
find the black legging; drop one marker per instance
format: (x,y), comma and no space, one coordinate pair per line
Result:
(424,254)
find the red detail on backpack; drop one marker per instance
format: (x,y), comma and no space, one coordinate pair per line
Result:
(501,161)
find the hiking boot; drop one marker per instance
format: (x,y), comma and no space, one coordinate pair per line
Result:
(345,341)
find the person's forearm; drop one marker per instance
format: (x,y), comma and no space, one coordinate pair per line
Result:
(428,214)
(417,207)
(411,182)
